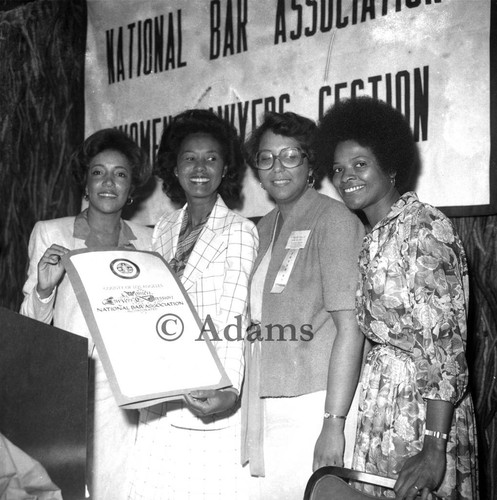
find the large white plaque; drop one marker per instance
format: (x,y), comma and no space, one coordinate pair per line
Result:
(146,330)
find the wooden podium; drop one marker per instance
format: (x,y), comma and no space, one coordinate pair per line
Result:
(43,397)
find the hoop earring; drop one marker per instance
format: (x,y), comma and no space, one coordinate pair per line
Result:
(311,180)
(130,201)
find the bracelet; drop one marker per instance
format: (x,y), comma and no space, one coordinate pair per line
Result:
(436,434)
(327,414)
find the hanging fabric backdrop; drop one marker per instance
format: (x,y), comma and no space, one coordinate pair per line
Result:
(150,59)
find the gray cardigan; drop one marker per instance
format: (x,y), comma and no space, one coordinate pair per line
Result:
(324,278)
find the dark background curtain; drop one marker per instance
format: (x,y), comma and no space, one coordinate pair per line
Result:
(42,48)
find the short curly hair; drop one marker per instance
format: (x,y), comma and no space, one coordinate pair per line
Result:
(115,139)
(373,124)
(205,121)
(288,124)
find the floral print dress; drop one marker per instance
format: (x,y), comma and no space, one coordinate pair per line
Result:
(412,302)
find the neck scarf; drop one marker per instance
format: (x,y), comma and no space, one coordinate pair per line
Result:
(186,242)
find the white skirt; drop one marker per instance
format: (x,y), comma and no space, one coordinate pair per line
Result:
(111,435)
(291,429)
(177,463)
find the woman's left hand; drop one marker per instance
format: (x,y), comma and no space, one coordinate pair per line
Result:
(329,447)
(421,474)
(208,402)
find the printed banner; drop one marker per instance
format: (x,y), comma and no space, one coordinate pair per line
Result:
(150,59)
(145,328)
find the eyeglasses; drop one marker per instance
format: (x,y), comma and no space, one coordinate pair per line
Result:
(289,158)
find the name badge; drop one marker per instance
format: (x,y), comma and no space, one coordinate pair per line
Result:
(296,241)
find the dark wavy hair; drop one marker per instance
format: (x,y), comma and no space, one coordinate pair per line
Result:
(373,124)
(205,121)
(288,124)
(111,138)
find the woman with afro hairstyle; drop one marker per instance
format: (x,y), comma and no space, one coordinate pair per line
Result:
(416,418)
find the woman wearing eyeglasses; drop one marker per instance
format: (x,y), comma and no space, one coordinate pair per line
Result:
(304,349)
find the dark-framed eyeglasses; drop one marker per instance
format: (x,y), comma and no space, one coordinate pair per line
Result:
(288,157)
